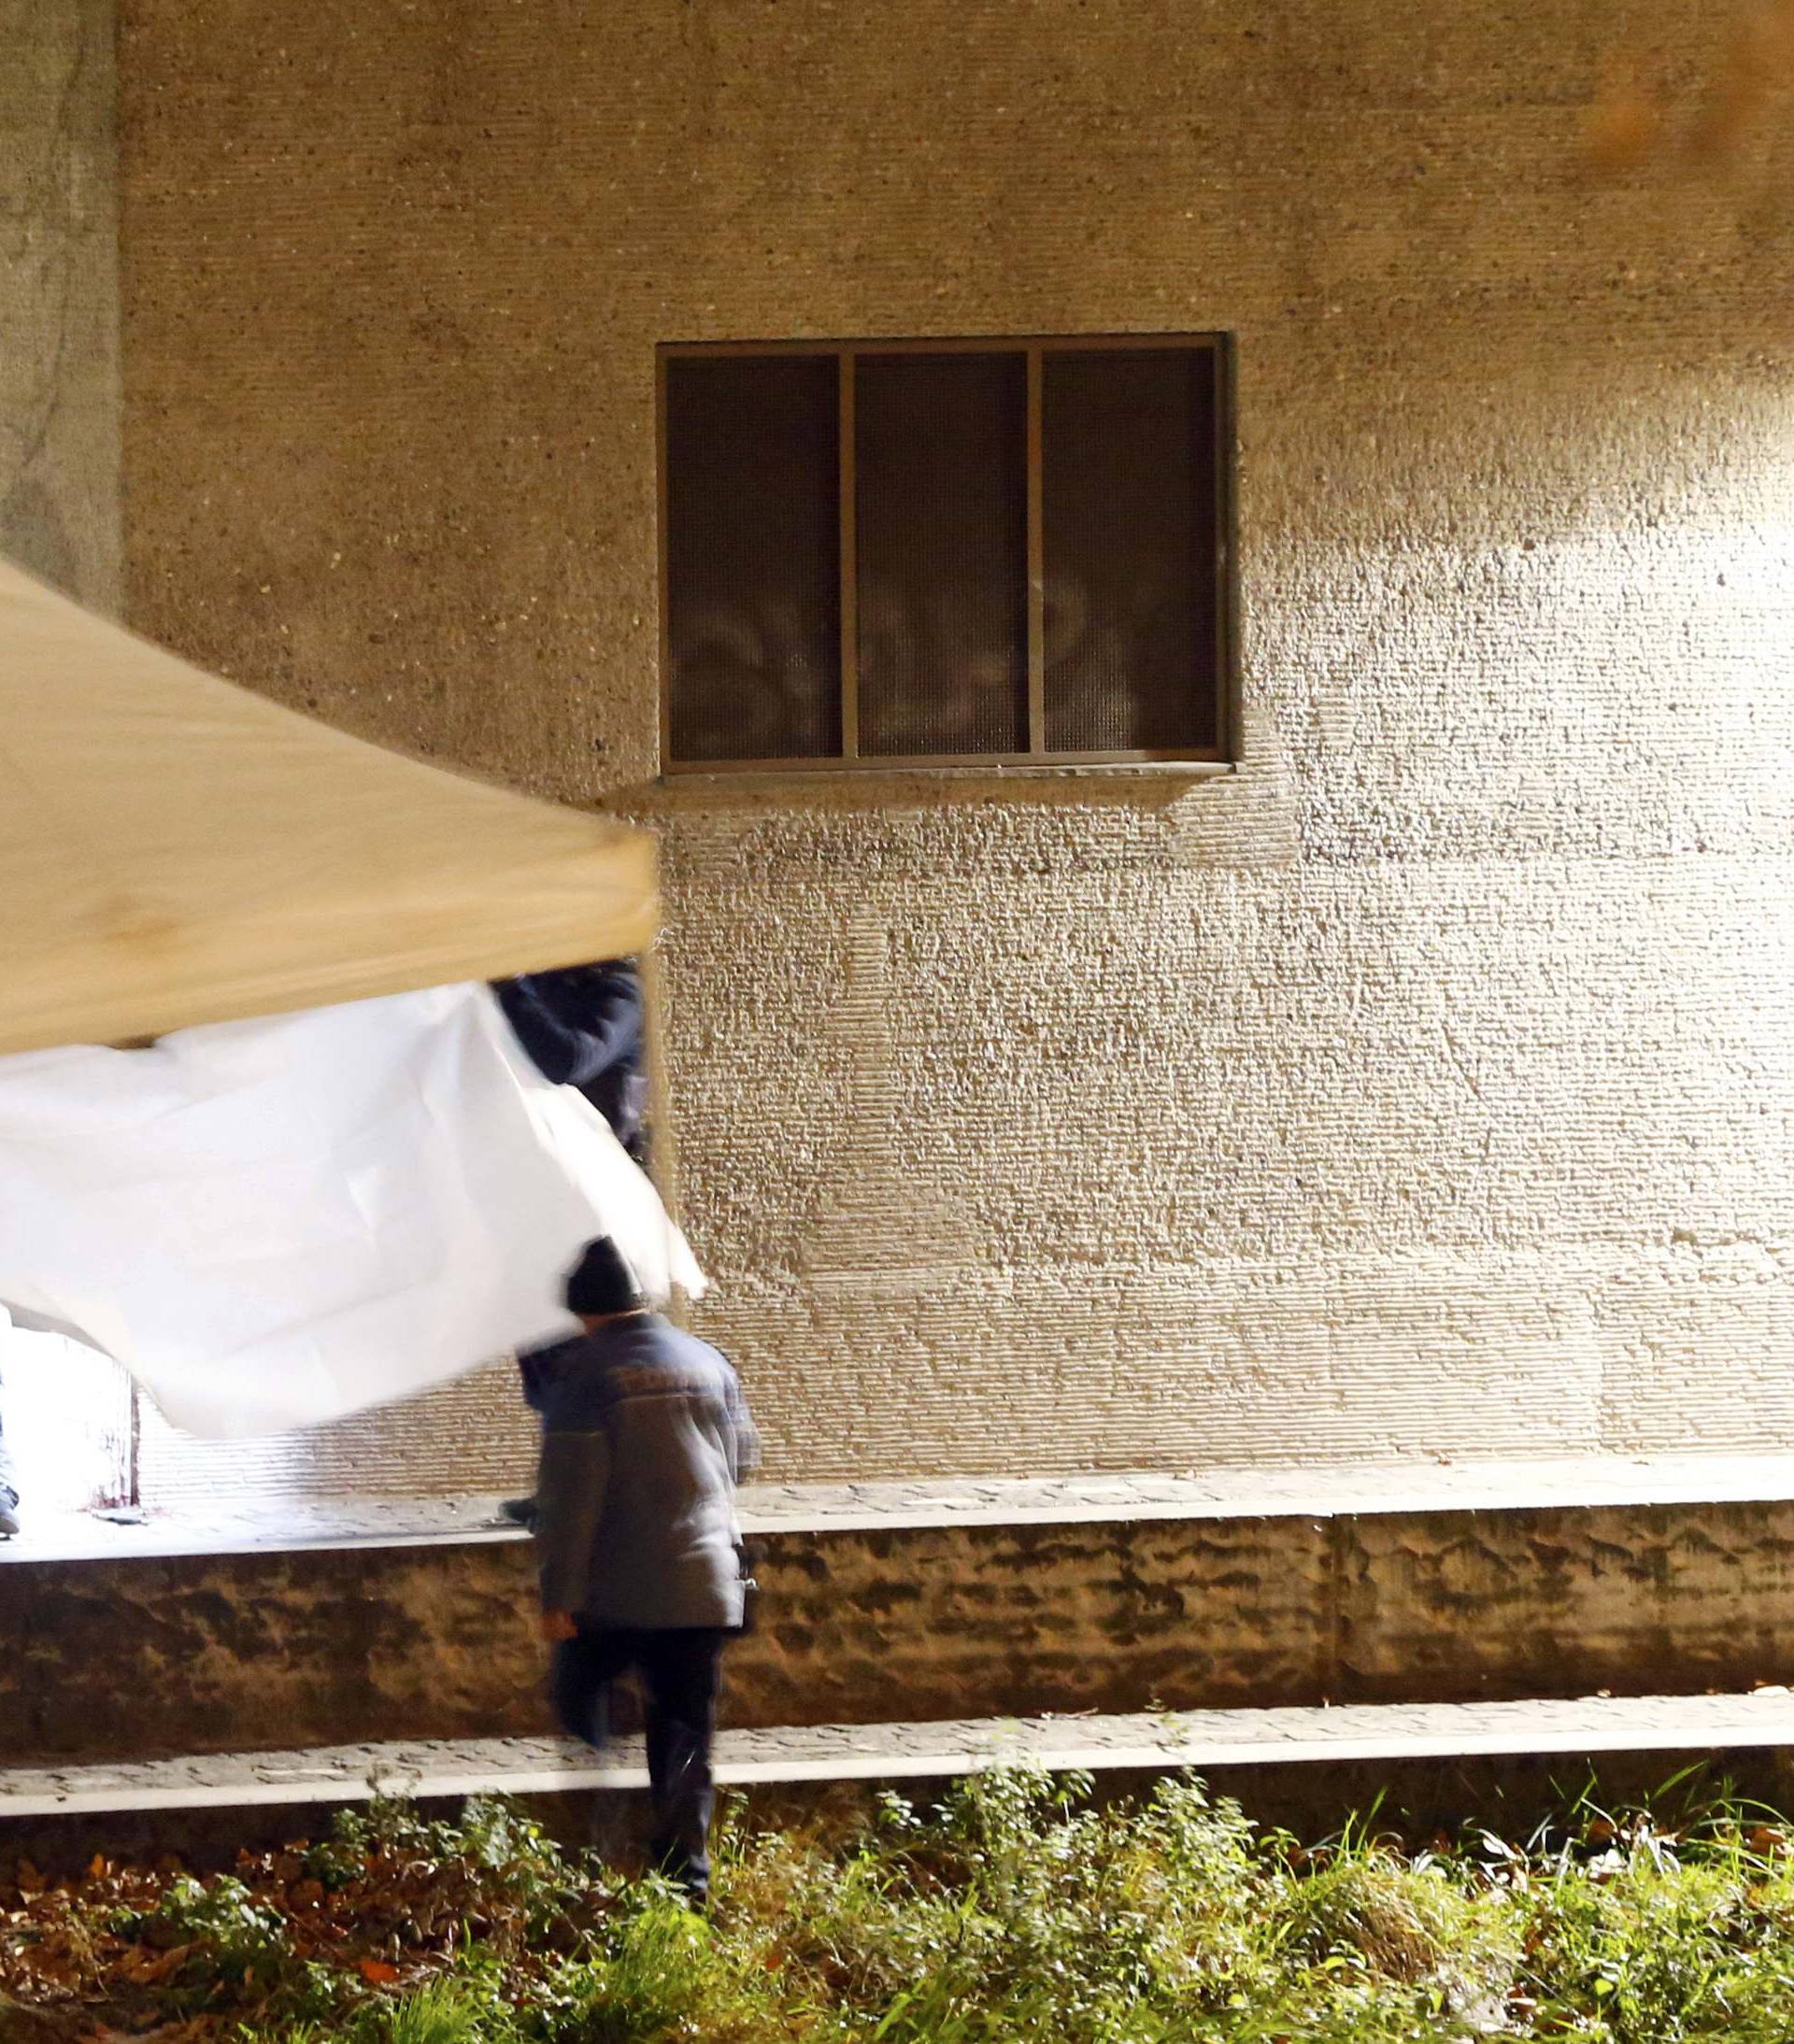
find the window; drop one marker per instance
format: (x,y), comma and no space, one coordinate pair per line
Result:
(946,553)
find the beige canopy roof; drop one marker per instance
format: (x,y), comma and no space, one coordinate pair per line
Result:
(174,849)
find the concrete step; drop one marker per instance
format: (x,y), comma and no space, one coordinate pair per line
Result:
(1381,1585)
(1154,1742)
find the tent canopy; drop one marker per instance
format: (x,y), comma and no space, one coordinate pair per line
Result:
(174,849)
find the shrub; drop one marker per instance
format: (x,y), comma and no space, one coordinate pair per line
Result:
(1015,1910)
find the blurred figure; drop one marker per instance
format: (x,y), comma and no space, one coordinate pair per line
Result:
(645,1435)
(583,1026)
(8,1490)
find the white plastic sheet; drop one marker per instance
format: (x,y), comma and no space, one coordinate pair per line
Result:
(66,1412)
(275,1223)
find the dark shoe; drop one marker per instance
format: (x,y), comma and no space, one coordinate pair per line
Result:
(690,1877)
(519,1511)
(9,1518)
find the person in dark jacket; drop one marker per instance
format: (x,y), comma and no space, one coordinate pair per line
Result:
(645,1436)
(583,1026)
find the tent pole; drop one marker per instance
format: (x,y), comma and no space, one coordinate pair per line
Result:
(662,1143)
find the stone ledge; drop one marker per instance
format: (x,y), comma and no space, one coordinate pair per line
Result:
(1156,1742)
(1357,1490)
(150,1656)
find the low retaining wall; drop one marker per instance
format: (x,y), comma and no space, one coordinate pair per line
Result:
(168,1655)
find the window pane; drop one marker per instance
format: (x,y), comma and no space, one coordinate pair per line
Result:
(1127,514)
(941,517)
(753,557)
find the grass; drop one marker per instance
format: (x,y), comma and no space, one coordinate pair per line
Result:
(1015,1910)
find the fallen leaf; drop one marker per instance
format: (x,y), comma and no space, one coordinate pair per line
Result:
(144,1967)
(377,1973)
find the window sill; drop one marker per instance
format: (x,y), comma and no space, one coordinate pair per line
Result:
(856,773)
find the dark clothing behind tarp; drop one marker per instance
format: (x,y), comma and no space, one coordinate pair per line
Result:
(540,1366)
(645,1435)
(583,1027)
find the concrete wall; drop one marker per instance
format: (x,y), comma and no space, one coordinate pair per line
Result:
(66,1413)
(58,353)
(138,1656)
(1424,1089)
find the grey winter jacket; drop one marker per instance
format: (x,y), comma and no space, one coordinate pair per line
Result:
(645,1434)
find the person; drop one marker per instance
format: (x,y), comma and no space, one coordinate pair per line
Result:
(583,1026)
(8,1492)
(645,1436)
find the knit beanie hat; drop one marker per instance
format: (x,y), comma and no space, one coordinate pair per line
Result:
(600,1283)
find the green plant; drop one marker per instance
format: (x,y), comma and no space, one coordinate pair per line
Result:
(444,2012)
(1017,1909)
(217,1932)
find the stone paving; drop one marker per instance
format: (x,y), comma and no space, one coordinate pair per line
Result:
(1194,1738)
(1247,1492)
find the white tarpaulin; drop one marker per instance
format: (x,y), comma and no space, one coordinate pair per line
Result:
(278,1222)
(175,850)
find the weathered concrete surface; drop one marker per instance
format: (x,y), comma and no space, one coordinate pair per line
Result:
(1415,1798)
(206,1654)
(68,1415)
(160,1656)
(59,313)
(934,1750)
(1426,1089)
(1612,1597)
(473,1435)
(232,1522)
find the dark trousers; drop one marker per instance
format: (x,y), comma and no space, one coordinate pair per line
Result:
(680,1669)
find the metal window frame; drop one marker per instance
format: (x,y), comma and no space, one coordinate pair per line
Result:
(1037,759)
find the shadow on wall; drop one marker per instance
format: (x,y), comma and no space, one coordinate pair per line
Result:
(33,533)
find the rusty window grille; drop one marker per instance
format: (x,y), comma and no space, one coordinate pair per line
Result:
(981,553)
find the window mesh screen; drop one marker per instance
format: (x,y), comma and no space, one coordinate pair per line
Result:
(753,557)
(942,521)
(1128,530)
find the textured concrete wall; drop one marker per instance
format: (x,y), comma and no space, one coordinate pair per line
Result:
(58,312)
(66,1413)
(1425,1088)
(477,1436)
